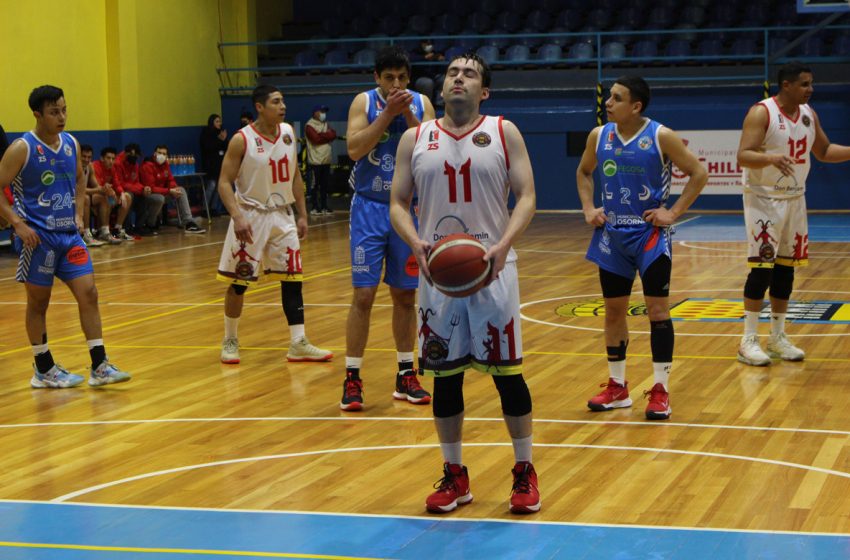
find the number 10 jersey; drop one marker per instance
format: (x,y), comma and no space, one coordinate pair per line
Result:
(267,169)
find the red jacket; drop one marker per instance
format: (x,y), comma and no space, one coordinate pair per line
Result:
(317,137)
(104,175)
(158,177)
(127,175)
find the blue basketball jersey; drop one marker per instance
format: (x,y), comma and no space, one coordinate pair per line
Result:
(372,175)
(635,176)
(47,184)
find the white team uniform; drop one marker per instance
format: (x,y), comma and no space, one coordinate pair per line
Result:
(264,193)
(775,205)
(462,185)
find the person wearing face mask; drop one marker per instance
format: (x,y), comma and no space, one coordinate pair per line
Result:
(157,173)
(146,203)
(319,137)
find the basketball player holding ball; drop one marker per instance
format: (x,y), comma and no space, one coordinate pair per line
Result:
(464,166)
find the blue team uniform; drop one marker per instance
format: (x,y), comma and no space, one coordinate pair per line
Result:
(44,192)
(635,178)
(372,238)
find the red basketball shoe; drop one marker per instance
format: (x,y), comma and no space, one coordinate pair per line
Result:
(659,403)
(614,396)
(525,498)
(452,490)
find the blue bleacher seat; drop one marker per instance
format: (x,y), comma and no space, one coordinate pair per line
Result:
(755,15)
(549,52)
(645,49)
(560,41)
(686,33)
(467,44)
(599,18)
(452,52)
(538,21)
(633,16)
(333,27)
(722,15)
(489,53)
(613,50)
(320,45)
(710,47)
(336,57)
(813,46)
(498,42)
(419,24)
(365,57)
(518,53)
(432,8)
(581,52)
(378,40)
(391,25)
(693,15)
(491,7)
(678,47)
(530,42)
(402,10)
(841,45)
(361,26)
(745,46)
(509,21)
(521,7)
(659,18)
(570,19)
(480,22)
(307,58)
(446,24)
(776,44)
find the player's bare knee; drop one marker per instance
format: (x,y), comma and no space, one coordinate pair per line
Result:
(364,298)
(658,309)
(403,298)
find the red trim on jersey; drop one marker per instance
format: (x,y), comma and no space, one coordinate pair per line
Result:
(418,126)
(504,145)
(778,106)
(471,130)
(263,137)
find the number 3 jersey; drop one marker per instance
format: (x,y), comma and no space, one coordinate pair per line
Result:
(268,166)
(793,138)
(462,182)
(47,184)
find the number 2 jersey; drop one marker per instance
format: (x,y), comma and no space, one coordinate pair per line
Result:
(267,169)
(784,135)
(462,182)
(46,186)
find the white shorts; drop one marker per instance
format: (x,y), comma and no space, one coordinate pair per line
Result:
(482,331)
(777,231)
(275,247)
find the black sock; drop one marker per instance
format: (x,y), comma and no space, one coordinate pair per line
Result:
(98,354)
(405,366)
(352,372)
(43,362)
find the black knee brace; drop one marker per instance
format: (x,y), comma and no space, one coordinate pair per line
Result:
(757,282)
(293,302)
(661,339)
(782,282)
(617,353)
(239,289)
(448,396)
(516,400)
(656,278)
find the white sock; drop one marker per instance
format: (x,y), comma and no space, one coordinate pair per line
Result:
(617,371)
(661,373)
(104,229)
(296,332)
(39,349)
(751,322)
(452,452)
(94,342)
(353,362)
(404,356)
(231,324)
(777,323)
(522,449)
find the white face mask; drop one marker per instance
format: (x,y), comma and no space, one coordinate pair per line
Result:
(160,158)
(323,116)
(428,48)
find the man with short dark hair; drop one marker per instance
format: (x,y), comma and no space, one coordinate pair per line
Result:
(319,137)
(92,198)
(147,204)
(115,196)
(778,136)
(157,174)
(376,120)
(47,180)
(631,232)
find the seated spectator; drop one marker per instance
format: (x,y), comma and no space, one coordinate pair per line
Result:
(114,196)
(147,204)
(93,189)
(156,173)
(427,77)
(213,146)
(245,119)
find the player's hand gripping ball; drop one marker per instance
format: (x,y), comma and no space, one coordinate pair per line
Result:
(457,265)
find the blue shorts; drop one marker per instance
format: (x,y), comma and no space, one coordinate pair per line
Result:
(623,252)
(373,239)
(61,254)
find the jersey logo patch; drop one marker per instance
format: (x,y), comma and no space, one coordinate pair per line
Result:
(609,167)
(47,179)
(645,143)
(287,139)
(481,139)
(806,120)
(67,150)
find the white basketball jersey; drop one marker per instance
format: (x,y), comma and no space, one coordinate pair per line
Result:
(462,182)
(268,168)
(793,138)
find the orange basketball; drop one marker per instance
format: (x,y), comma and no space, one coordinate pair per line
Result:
(457,265)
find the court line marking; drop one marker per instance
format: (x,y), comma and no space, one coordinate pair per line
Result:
(641,424)
(186,468)
(430,518)
(678,332)
(201,552)
(273,286)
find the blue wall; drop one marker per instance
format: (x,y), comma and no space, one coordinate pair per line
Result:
(545,119)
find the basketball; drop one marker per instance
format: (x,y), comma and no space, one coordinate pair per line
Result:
(457,266)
